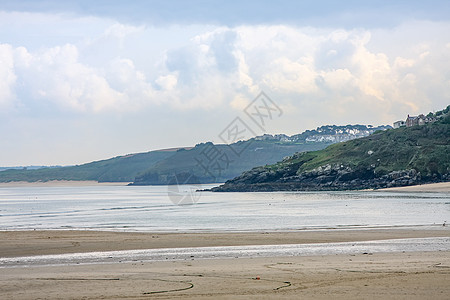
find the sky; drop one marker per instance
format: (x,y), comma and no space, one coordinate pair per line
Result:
(88,80)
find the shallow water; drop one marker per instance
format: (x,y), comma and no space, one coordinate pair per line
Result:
(400,245)
(153,208)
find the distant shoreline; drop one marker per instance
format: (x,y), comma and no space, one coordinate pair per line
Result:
(60,183)
(439,187)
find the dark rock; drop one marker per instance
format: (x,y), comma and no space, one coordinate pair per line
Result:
(323,178)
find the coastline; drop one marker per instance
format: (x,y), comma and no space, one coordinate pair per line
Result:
(361,275)
(57,183)
(439,187)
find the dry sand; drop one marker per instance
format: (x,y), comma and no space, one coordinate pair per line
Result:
(363,276)
(440,187)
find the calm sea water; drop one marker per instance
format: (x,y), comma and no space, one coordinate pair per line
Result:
(153,208)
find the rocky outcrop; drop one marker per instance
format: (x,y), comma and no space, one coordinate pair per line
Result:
(391,158)
(324,178)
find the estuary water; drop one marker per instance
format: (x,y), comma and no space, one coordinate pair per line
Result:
(157,209)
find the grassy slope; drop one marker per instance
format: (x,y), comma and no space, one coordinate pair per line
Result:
(117,169)
(423,148)
(251,154)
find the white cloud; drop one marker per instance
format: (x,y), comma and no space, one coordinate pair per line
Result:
(291,76)
(56,75)
(97,69)
(121,31)
(167,82)
(7,76)
(325,67)
(124,78)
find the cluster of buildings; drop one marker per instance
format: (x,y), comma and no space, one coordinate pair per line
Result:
(279,137)
(414,120)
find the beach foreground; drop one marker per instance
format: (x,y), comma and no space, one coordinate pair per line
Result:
(415,275)
(407,275)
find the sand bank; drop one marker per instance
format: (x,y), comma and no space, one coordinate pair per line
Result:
(25,243)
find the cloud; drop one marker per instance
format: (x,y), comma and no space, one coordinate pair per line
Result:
(167,82)
(7,76)
(335,71)
(328,70)
(81,76)
(55,75)
(121,31)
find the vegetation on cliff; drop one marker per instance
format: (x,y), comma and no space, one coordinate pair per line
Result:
(395,157)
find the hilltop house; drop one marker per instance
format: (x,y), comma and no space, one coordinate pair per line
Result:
(414,120)
(399,124)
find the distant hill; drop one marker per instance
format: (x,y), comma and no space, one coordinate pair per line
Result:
(26,167)
(117,169)
(204,163)
(207,163)
(395,157)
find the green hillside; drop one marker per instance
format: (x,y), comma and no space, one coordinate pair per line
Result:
(395,157)
(208,163)
(204,163)
(117,169)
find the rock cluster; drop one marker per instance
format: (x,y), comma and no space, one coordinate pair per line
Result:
(327,177)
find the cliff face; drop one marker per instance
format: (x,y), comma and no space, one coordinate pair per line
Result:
(396,157)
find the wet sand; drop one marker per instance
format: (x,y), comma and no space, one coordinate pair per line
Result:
(25,243)
(416,275)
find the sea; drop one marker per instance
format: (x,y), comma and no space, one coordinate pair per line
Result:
(183,209)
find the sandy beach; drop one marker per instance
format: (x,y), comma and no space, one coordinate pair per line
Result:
(378,276)
(409,275)
(440,187)
(401,275)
